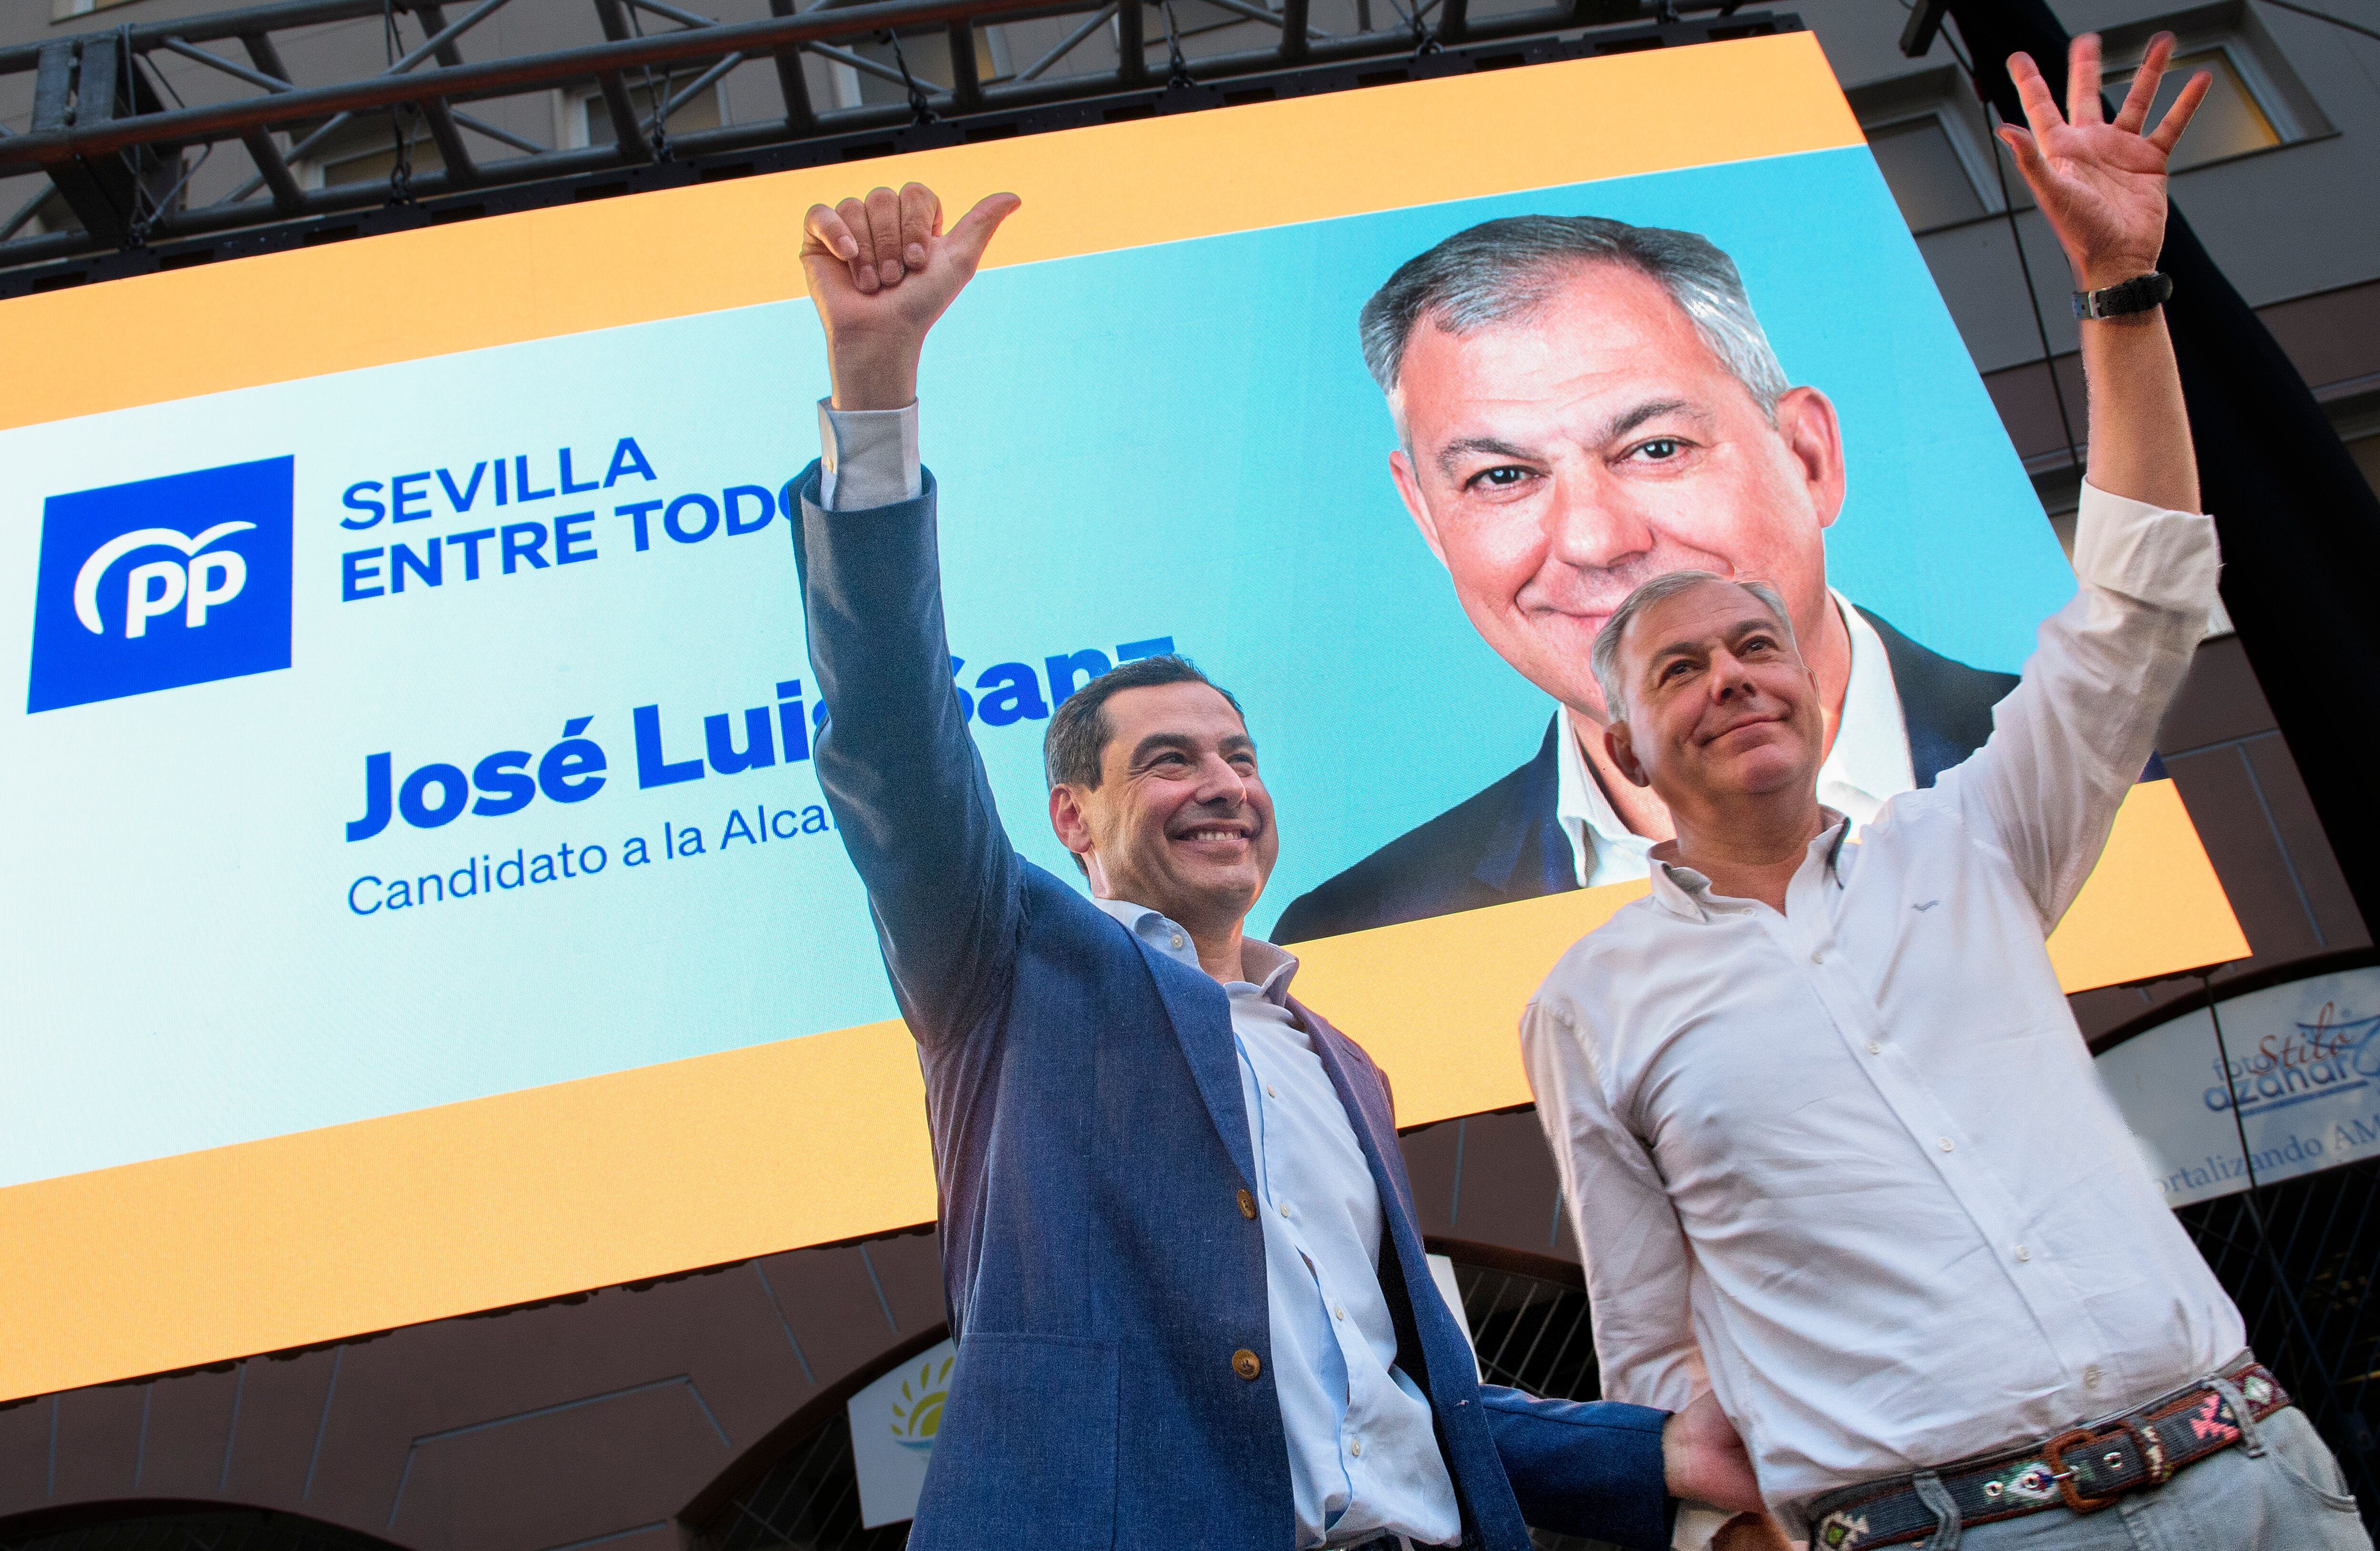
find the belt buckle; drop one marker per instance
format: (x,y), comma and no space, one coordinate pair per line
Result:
(2053,1454)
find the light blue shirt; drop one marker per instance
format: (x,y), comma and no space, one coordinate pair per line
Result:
(1362,1457)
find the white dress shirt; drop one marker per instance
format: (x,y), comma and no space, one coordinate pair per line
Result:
(1868,764)
(1854,1160)
(1363,1452)
(1363,1455)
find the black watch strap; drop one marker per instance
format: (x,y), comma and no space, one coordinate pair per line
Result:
(2136,295)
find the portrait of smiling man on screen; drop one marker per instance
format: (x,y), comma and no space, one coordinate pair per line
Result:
(1582,405)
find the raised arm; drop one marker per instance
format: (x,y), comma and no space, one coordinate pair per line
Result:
(2070,741)
(2102,187)
(894,758)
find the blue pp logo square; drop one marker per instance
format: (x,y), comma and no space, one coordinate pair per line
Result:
(163,582)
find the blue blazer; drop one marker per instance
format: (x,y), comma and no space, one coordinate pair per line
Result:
(1090,1146)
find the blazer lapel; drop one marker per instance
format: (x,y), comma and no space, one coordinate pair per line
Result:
(1529,854)
(1946,706)
(1201,1016)
(1367,1110)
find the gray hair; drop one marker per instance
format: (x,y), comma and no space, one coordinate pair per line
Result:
(1607,639)
(1500,271)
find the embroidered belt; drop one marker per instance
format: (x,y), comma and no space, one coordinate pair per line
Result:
(2081,1470)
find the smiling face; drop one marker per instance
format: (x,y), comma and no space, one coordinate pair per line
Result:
(1180,821)
(1720,704)
(1557,461)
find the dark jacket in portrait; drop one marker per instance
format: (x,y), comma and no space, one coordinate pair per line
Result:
(1506,843)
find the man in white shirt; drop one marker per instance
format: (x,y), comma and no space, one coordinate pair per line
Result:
(1833,1145)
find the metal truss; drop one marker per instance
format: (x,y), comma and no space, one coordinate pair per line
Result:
(120,157)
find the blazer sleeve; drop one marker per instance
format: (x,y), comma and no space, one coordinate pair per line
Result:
(1589,1468)
(899,770)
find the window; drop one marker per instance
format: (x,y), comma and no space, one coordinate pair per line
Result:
(1929,177)
(364,151)
(67,10)
(590,121)
(374,166)
(2233,120)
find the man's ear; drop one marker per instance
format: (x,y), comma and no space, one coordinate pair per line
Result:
(1401,470)
(1067,817)
(1805,419)
(1623,752)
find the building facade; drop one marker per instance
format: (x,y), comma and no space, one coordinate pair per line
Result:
(706,1410)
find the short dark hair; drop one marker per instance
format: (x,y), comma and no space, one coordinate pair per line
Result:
(1077,739)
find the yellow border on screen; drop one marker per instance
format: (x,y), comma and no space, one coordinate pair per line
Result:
(546,273)
(534,1194)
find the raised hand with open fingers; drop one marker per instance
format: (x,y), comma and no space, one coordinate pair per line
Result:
(881,270)
(2101,184)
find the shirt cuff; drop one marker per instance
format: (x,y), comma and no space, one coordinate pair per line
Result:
(2166,559)
(1696,1526)
(867,457)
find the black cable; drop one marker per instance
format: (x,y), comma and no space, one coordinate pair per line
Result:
(1424,36)
(1178,74)
(161,84)
(2016,240)
(400,167)
(2033,295)
(660,95)
(920,107)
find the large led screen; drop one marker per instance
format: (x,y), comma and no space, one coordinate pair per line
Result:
(419,895)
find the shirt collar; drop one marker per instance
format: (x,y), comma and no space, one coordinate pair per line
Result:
(1685,892)
(1273,966)
(1868,764)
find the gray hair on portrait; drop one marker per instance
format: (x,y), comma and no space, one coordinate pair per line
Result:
(1607,639)
(1501,271)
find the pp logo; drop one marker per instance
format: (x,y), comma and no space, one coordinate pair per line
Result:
(163,582)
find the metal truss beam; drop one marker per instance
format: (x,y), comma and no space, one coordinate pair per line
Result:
(120,160)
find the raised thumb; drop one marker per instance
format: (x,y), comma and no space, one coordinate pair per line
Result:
(973,233)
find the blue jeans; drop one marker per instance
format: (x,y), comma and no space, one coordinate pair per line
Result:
(2293,1497)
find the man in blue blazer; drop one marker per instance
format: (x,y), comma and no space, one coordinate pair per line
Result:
(1179,1245)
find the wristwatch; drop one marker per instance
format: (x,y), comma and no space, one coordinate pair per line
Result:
(2136,295)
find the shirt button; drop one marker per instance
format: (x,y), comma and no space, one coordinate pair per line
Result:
(1338,1313)
(1875,1047)
(1356,1447)
(1269,1091)
(2023,1253)
(1284,1209)
(2091,1376)
(1943,1143)
(1818,956)
(1247,1205)
(1246,1364)
(1177,939)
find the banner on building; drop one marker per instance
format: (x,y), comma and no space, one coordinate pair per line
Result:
(2303,1083)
